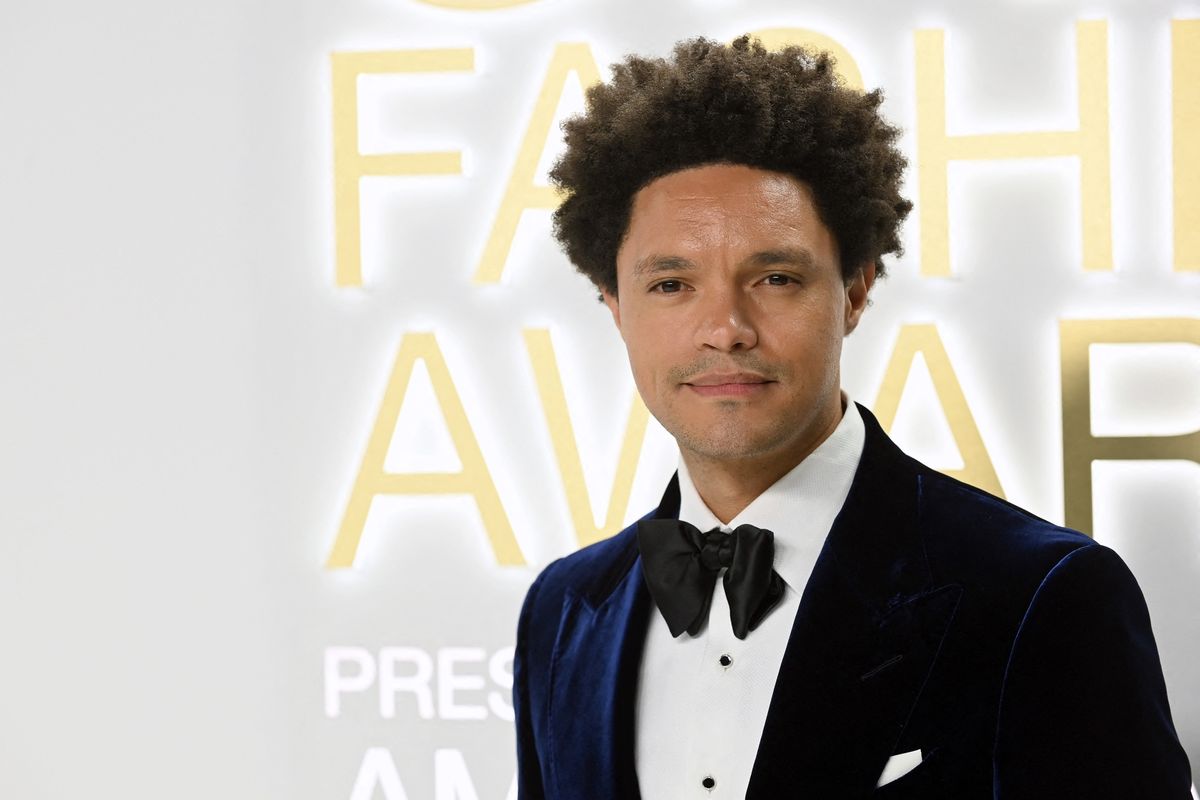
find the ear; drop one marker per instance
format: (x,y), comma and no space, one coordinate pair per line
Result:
(614,306)
(857,290)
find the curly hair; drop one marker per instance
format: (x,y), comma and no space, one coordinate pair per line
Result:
(785,111)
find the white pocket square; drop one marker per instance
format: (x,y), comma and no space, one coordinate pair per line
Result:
(898,765)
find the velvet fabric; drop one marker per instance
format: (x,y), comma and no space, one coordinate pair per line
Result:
(1016,655)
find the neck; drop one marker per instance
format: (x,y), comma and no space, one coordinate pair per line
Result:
(727,486)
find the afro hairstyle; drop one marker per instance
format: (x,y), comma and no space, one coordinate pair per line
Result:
(784,111)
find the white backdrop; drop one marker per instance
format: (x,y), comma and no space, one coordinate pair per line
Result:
(190,384)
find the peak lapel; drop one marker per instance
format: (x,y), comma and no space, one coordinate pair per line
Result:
(593,691)
(593,676)
(868,629)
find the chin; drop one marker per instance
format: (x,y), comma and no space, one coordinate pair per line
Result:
(727,445)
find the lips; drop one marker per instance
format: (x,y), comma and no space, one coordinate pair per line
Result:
(727,378)
(735,384)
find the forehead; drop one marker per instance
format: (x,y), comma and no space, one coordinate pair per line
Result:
(722,206)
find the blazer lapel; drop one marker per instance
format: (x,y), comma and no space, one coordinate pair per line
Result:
(593,676)
(867,632)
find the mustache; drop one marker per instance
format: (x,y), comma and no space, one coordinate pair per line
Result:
(749,362)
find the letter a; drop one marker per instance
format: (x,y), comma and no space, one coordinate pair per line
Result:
(474,478)
(977,466)
(522,192)
(378,769)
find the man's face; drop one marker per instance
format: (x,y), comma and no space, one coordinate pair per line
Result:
(733,308)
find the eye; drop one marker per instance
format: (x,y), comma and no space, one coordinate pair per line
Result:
(779,279)
(667,287)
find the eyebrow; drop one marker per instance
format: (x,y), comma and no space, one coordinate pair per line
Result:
(655,263)
(795,256)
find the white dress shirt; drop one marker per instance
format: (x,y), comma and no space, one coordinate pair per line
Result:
(702,700)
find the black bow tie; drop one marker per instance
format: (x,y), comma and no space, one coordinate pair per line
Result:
(681,566)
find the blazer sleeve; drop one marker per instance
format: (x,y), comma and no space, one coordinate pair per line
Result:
(1083,711)
(529,771)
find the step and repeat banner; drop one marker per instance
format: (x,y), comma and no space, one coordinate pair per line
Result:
(1040,339)
(388,400)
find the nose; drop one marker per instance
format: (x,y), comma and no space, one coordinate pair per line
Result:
(725,323)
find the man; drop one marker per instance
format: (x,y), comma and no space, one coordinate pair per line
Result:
(809,612)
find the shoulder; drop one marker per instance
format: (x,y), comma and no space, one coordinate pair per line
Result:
(968,535)
(590,574)
(962,525)
(1019,572)
(591,571)
(1016,568)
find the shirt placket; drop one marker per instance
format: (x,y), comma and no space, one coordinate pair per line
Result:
(710,758)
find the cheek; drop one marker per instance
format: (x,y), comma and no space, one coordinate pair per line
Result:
(645,336)
(644,357)
(656,349)
(811,343)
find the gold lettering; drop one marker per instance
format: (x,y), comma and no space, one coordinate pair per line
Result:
(847,67)
(1089,142)
(1080,447)
(349,165)
(522,193)
(474,479)
(566,451)
(977,466)
(1185,140)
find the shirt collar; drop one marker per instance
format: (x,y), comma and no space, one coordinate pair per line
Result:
(800,507)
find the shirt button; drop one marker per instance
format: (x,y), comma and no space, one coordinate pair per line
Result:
(708,782)
(725,660)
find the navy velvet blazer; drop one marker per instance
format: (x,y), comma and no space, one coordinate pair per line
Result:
(1016,655)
